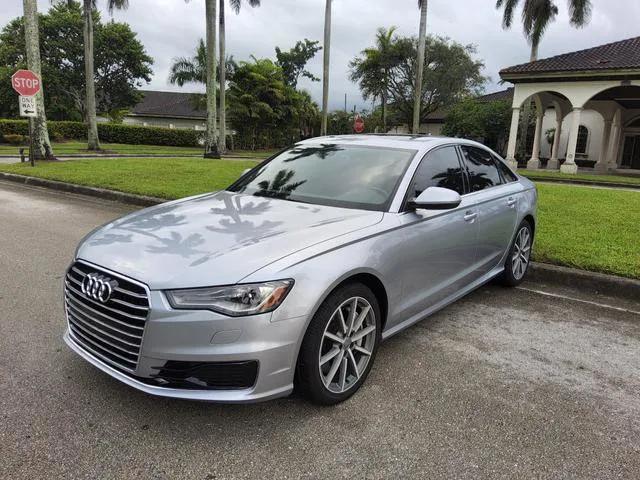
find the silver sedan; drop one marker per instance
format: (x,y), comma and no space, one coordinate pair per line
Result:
(294,274)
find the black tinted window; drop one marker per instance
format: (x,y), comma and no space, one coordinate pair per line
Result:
(439,168)
(483,172)
(507,174)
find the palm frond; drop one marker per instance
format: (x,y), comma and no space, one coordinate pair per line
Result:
(580,12)
(116,5)
(509,8)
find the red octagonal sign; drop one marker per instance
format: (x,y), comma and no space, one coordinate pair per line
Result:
(359,124)
(25,82)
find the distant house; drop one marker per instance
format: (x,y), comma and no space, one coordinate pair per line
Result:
(167,109)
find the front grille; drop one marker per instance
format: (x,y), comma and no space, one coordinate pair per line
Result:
(112,331)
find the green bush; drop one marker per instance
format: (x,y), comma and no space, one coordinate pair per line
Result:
(14,139)
(110,133)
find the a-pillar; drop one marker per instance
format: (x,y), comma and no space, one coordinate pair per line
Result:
(569,166)
(534,161)
(601,164)
(513,138)
(553,162)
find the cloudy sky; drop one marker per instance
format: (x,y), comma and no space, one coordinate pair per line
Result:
(171,28)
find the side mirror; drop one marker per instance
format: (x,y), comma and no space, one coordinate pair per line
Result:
(436,198)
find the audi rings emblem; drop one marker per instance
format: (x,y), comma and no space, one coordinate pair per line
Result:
(98,287)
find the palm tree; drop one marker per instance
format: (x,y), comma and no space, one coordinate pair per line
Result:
(371,71)
(93,142)
(537,15)
(422,38)
(235,5)
(325,69)
(38,130)
(185,70)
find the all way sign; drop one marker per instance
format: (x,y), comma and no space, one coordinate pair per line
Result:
(27,106)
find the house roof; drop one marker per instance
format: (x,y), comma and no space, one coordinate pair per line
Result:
(167,104)
(506,94)
(621,55)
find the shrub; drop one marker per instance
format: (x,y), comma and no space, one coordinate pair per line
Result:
(110,133)
(14,139)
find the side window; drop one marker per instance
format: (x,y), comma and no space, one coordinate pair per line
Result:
(483,173)
(507,175)
(440,168)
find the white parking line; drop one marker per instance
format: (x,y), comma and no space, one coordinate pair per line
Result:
(565,297)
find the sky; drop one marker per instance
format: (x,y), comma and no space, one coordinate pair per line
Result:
(171,28)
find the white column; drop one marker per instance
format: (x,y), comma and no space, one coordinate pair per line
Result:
(534,161)
(513,138)
(569,166)
(601,165)
(614,142)
(553,161)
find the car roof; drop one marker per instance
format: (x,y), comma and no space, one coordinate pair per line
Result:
(411,142)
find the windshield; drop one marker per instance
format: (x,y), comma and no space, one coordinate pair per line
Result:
(330,174)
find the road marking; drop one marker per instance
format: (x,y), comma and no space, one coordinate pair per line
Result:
(565,297)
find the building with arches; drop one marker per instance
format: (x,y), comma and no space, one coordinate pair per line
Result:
(590,99)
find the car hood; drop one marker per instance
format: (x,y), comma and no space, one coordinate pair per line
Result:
(214,239)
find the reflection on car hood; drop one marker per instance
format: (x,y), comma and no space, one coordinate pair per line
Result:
(218,238)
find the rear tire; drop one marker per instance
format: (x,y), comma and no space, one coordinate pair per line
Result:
(517,262)
(340,345)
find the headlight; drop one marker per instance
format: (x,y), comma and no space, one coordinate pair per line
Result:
(233,300)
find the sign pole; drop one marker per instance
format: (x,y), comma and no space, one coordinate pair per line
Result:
(32,155)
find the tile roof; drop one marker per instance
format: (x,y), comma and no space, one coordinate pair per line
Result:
(624,54)
(168,104)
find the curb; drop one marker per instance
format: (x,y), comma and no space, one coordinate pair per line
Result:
(116,155)
(102,193)
(632,186)
(538,272)
(600,283)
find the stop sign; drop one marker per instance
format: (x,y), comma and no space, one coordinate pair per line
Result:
(25,82)
(358,126)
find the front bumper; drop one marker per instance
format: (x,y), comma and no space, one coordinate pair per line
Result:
(192,337)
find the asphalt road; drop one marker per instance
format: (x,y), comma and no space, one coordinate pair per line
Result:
(503,384)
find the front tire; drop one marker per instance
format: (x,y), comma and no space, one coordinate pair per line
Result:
(518,259)
(340,345)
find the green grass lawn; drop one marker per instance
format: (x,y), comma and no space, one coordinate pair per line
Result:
(592,229)
(541,175)
(80,148)
(158,177)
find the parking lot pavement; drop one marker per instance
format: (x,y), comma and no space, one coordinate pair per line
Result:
(503,384)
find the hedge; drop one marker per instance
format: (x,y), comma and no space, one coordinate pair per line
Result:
(110,133)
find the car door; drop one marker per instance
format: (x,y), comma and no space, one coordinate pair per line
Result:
(438,249)
(495,196)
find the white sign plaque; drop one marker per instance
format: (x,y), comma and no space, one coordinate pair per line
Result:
(27,106)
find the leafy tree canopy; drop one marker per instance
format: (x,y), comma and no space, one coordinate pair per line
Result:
(294,61)
(487,122)
(121,63)
(387,71)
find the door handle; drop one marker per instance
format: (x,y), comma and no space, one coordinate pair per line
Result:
(511,202)
(470,216)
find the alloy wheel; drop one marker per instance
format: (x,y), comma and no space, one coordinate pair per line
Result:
(521,253)
(347,344)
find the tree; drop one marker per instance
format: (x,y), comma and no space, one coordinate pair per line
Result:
(486,122)
(537,15)
(93,142)
(193,69)
(294,61)
(451,74)
(211,149)
(372,70)
(121,64)
(38,126)
(235,5)
(420,70)
(325,67)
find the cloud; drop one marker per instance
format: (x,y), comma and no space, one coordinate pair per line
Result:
(171,28)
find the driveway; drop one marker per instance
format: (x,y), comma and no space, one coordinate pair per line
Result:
(503,384)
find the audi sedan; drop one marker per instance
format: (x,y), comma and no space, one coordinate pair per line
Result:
(293,275)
